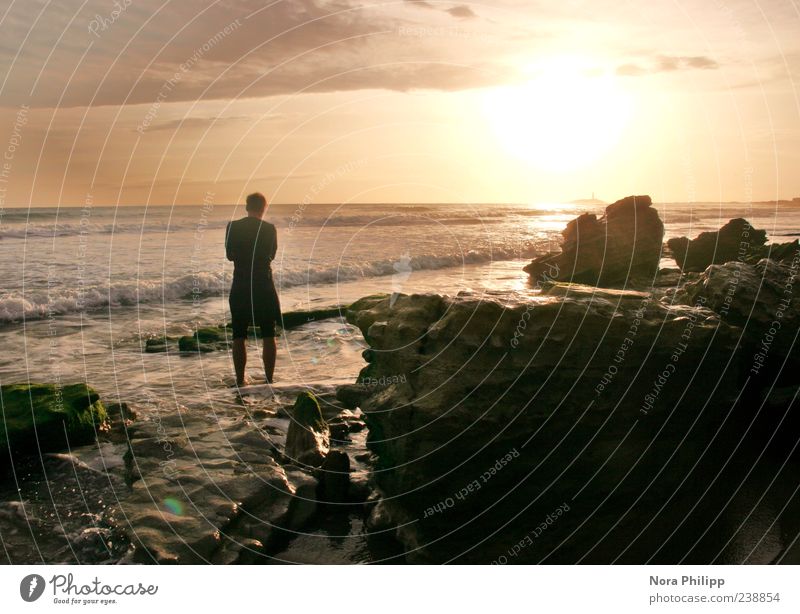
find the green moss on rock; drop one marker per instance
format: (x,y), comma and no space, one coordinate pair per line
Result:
(57,417)
(205,340)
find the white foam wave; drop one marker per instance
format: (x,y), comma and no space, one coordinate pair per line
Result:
(41,304)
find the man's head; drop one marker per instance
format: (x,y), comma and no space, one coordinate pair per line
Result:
(256,204)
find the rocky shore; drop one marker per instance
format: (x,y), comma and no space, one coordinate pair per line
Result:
(611,412)
(581,424)
(179,487)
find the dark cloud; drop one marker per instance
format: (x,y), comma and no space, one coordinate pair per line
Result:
(462,12)
(189,123)
(665,63)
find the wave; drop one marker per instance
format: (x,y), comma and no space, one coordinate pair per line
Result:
(67,229)
(38,305)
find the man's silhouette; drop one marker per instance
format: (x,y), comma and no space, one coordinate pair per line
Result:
(251,244)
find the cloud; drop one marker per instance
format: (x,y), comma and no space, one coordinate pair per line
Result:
(189,123)
(666,63)
(462,12)
(208,49)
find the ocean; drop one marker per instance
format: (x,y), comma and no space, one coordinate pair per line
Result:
(84,288)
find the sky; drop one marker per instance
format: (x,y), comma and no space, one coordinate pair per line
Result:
(158,102)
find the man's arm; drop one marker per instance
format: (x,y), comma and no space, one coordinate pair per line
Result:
(274,243)
(228,247)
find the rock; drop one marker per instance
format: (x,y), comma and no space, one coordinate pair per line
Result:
(207,339)
(343,424)
(351,395)
(193,497)
(308,439)
(92,543)
(599,401)
(156,345)
(47,417)
(211,339)
(120,414)
(293,319)
(303,505)
(380,519)
(340,432)
(334,475)
(359,489)
(736,240)
(764,300)
(623,245)
(782,252)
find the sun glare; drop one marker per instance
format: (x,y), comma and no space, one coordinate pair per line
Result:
(562,119)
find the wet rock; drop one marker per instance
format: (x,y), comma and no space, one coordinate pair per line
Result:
(156,345)
(380,518)
(293,319)
(208,339)
(47,417)
(512,407)
(736,240)
(192,493)
(360,489)
(622,246)
(352,395)
(334,475)
(93,544)
(308,438)
(343,424)
(340,432)
(120,416)
(303,505)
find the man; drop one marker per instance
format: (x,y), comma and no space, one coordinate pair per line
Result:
(251,244)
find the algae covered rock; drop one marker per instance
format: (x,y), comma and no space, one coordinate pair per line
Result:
(47,417)
(308,439)
(205,340)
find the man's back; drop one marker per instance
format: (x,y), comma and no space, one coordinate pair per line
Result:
(251,244)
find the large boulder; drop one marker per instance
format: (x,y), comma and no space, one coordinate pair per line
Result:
(308,438)
(622,247)
(763,299)
(548,427)
(735,241)
(47,417)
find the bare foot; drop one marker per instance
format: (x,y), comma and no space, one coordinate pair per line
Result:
(247,381)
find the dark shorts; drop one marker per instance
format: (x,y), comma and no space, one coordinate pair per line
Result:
(259,307)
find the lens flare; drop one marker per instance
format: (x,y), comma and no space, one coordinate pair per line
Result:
(173,506)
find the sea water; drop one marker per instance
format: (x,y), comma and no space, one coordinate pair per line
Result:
(83,288)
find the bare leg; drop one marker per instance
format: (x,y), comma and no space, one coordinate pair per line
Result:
(270,353)
(239,359)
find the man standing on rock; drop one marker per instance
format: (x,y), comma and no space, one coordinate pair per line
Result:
(251,243)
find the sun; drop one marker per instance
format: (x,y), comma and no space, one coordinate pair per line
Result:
(564,118)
